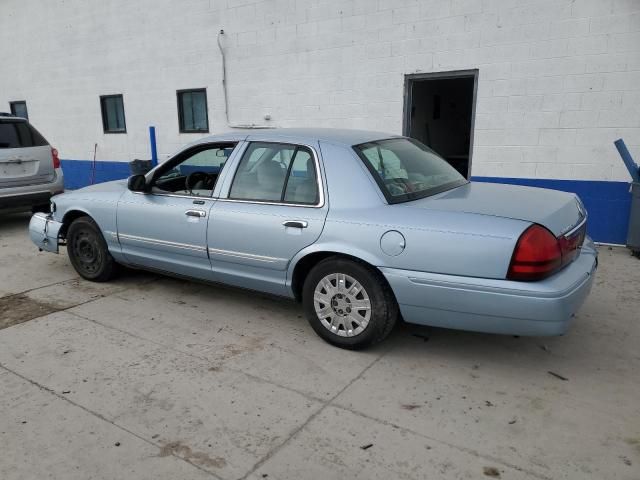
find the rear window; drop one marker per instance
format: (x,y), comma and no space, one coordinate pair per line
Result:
(407,170)
(17,134)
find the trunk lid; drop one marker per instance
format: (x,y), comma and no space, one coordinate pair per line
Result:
(25,156)
(558,211)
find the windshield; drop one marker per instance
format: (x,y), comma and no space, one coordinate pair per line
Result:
(407,170)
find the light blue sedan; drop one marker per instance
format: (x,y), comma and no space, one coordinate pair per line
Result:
(363,228)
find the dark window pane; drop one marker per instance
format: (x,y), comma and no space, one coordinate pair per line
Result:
(38,139)
(19,135)
(199,105)
(187,110)
(24,135)
(9,135)
(113,113)
(19,109)
(192,111)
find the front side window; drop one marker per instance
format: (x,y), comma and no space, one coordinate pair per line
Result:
(112,108)
(276,172)
(19,109)
(194,172)
(192,111)
(407,170)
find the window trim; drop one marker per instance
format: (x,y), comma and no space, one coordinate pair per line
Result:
(103,113)
(391,200)
(181,128)
(13,111)
(319,179)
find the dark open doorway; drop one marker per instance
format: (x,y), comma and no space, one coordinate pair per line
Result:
(439,111)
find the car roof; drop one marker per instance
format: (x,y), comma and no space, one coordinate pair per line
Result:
(338,136)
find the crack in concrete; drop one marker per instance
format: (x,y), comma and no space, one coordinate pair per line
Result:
(325,403)
(306,395)
(104,419)
(301,427)
(295,432)
(468,450)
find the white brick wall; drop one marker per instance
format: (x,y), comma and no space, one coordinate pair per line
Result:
(559,79)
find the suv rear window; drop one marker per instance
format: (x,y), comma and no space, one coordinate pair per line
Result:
(19,134)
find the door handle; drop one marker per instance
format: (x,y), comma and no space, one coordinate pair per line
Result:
(195,213)
(295,224)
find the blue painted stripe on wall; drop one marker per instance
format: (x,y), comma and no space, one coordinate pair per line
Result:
(78,173)
(608,203)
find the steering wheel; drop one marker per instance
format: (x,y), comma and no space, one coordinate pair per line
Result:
(200,179)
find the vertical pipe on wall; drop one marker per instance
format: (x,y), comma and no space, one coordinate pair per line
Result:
(93,164)
(154,149)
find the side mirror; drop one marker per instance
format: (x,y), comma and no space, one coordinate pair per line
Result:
(137,183)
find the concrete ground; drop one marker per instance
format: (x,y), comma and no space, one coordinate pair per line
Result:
(156,378)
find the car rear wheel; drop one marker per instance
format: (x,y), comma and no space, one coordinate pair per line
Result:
(88,251)
(348,303)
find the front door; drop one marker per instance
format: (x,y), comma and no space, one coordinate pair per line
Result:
(165,228)
(273,208)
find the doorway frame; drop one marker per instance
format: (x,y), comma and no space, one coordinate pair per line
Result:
(411,78)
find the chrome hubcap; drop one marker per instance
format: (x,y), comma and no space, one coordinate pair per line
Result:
(342,305)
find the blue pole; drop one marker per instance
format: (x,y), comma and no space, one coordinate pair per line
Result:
(634,171)
(154,148)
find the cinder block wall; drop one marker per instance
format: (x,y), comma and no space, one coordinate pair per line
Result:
(559,80)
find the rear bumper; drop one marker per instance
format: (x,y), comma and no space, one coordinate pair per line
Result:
(496,306)
(31,195)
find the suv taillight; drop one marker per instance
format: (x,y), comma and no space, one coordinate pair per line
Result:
(537,255)
(54,158)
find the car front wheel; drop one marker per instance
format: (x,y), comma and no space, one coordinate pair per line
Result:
(348,303)
(88,251)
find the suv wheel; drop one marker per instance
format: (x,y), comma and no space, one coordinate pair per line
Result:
(348,304)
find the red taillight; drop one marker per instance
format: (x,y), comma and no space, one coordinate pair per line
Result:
(54,158)
(537,255)
(570,244)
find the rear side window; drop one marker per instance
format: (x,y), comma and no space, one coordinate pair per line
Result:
(276,172)
(19,135)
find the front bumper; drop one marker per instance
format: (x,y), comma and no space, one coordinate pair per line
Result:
(31,195)
(44,231)
(541,308)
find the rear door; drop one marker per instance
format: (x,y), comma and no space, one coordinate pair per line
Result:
(25,156)
(272,208)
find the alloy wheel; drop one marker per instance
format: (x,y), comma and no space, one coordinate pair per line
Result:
(342,304)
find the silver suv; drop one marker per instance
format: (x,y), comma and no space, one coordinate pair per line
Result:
(30,172)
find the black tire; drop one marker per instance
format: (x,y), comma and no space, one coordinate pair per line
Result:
(88,251)
(384,309)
